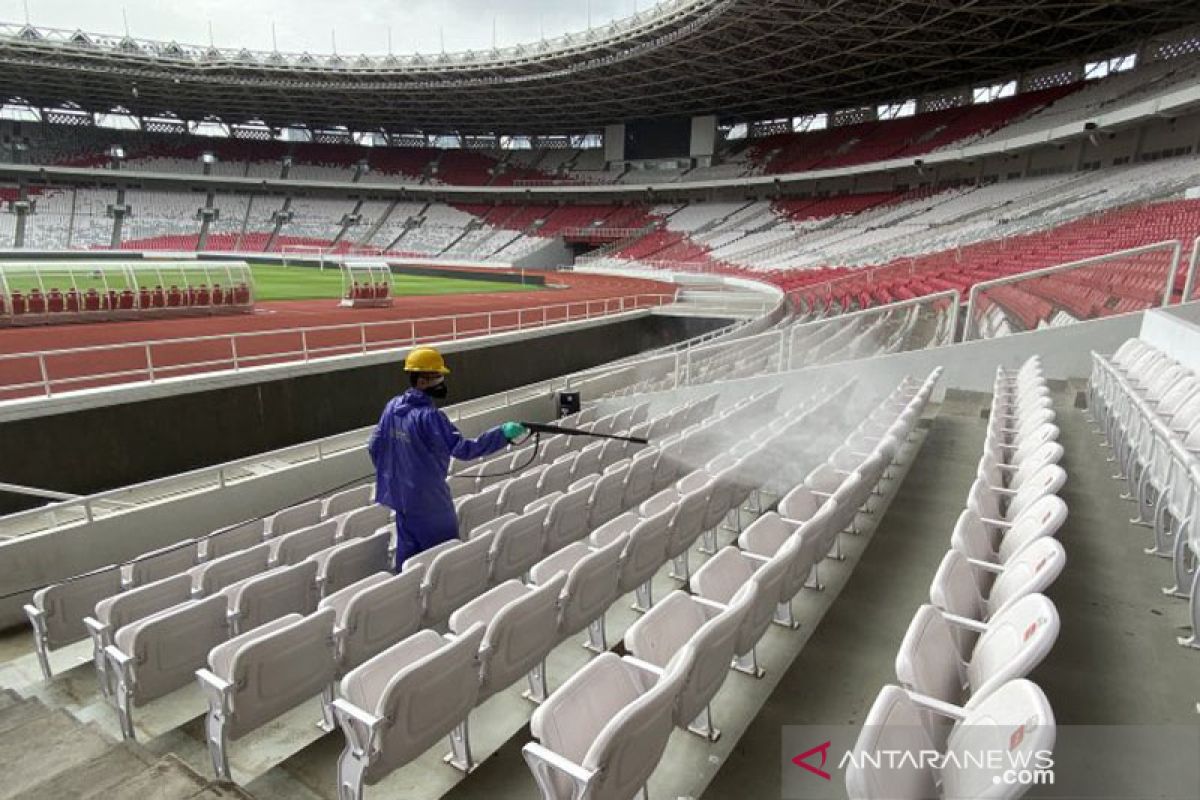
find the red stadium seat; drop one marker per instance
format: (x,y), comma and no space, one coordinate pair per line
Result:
(73,300)
(54,301)
(125,302)
(18,303)
(37,302)
(91,300)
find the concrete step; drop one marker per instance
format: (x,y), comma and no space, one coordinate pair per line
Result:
(20,712)
(111,768)
(165,779)
(44,747)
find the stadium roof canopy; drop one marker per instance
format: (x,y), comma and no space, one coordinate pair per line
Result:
(739,59)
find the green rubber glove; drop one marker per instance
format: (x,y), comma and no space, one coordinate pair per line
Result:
(513,430)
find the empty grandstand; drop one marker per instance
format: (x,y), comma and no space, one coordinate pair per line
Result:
(868,334)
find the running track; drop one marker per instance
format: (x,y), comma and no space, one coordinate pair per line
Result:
(278,316)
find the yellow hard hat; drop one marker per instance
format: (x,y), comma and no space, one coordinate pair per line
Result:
(425,359)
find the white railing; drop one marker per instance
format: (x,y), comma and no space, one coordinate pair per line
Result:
(1189,285)
(1124,263)
(37,373)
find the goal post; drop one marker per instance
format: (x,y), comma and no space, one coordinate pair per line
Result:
(296,254)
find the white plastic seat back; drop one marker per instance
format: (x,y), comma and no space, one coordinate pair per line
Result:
(568,518)
(520,491)
(800,503)
(299,516)
(1041,518)
(645,552)
(134,604)
(894,724)
(517,545)
(169,646)
(591,587)
(351,561)
(556,477)
(62,606)
(476,509)
(1031,570)
(955,589)
(363,521)
(275,668)
(164,563)
(376,613)
(213,576)
(766,534)
(639,483)
(273,594)
(588,461)
(242,536)
(294,547)
(687,521)
(455,576)
(424,686)
(1049,479)
(608,497)
(348,500)
(519,634)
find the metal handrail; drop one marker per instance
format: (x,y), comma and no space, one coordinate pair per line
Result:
(1190,284)
(306,353)
(1174,245)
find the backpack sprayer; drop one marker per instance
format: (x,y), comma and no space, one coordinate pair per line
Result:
(536,429)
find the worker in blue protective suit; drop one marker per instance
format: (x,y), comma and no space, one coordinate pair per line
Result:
(411,449)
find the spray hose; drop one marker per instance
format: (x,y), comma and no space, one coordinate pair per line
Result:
(536,429)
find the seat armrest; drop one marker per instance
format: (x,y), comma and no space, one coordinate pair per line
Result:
(964,622)
(346,714)
(939,707)
(996,523)
(986,566)
(542,761)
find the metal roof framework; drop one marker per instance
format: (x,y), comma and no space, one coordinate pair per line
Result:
(738,59)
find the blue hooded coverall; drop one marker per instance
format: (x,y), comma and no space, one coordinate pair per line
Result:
(411,449)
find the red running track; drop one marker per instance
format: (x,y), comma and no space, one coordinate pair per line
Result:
(127,364)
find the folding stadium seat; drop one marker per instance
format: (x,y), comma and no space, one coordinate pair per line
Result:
(602,733)
(57,611)
(518,542)
(639,482)
(1015,719)
(710,630)
(296,517)
(242,536)
(976,539)
(588,461)
(475,509)
(216,574)
(1017,452)
(720,578)
(557,476)
(363,521)
(401,702)
(374,614)
(163,563)
(645,551)
(607,497)
(157,654)
(1010,645)
(1012,476)
(113,613)
(567,519)
(347,500)
(453,576)
(995,504)
(284,590)
(805,546)
(955,588)
(518,492)
(593,578)
(256,676)
(521,629)
(294,547)
(349,562)
(685,526)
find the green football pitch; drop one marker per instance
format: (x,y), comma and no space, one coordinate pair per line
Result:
(273,282)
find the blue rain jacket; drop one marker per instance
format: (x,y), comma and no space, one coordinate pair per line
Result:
(411,449)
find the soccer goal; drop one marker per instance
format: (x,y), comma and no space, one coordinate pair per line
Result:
(299,254)
(366,284)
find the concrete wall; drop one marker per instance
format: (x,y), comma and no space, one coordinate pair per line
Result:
(93,449)
(551,255)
